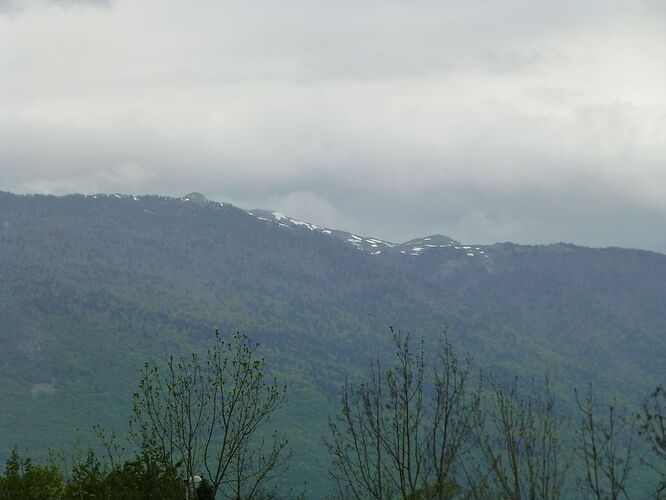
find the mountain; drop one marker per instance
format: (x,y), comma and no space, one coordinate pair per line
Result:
(93,286)
(374,246)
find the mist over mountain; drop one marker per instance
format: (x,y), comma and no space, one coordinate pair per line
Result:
(93,286)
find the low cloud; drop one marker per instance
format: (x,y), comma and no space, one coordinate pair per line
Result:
(126,178)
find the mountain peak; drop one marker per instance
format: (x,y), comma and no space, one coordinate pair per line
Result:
(196,198)
(433,239)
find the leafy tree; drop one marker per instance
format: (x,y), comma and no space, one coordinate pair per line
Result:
(205,490)
(23,480)
(202,416)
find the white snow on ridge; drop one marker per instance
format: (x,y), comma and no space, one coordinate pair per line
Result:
(297,222)
(414,247)
(278,217)
(374,241)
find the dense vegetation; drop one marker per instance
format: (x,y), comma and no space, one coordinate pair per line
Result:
(409,431)
(92,287)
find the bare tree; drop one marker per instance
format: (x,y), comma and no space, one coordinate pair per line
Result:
(652,422)
(204,415)
(456,402)
(519,441)
(604,443)
(400,434)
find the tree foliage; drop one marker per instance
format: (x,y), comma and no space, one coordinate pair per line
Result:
(203,416)
(26,481)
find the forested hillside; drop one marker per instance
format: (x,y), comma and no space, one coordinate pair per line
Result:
(93,286)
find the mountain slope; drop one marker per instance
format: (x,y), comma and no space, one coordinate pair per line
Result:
(93,286)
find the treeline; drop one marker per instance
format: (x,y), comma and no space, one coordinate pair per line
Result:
(426,426)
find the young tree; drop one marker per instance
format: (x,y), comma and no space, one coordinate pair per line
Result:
(26,481)
(203,416)
(456,401)
(519,440)
(604,443)
(652,422)
(139,477)
(401,434)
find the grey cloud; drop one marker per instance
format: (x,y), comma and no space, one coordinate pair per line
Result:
(10,6)
(17,6)
(486,122)
(69,3)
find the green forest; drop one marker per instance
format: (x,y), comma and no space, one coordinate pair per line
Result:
(94,287)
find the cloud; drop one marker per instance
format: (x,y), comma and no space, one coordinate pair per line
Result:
(127,178)
(104,3)
(17,6)
(10,6)
(534,122)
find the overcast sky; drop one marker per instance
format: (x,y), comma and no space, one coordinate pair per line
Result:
(522,120)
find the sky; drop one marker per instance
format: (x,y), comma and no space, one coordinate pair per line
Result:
(506,120)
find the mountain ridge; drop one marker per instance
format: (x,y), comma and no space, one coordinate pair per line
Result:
(92,286)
